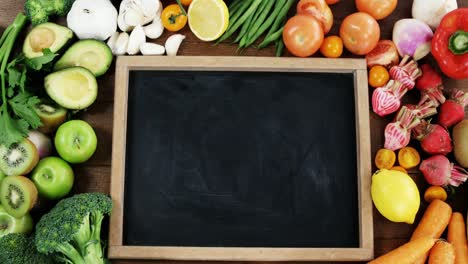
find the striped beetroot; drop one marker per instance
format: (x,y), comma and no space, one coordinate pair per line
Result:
(434,138)
(425,108)
(387,99)
(453,110)
(440,172)
(406,72)
(398,133)
(430,84)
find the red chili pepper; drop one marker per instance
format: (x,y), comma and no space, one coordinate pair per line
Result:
(450,44)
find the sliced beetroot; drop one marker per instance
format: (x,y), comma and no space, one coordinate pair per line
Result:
(434,138)
(438,170)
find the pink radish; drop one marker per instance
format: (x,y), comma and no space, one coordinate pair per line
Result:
(398,133)
(406,72)
(434,138)
(387,99)
(430,84)
(453,110)
(440,172)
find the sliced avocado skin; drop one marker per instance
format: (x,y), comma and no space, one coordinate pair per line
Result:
(63,35)
(76,53)
(52,87)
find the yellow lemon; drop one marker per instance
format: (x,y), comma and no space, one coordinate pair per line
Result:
(395,195)
(208,19)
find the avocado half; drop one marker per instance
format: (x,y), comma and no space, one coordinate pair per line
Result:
(72,88)
(46,36)
(91,54)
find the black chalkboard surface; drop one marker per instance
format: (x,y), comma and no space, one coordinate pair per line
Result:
(241,159)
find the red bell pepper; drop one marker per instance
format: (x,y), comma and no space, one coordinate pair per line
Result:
(450,44)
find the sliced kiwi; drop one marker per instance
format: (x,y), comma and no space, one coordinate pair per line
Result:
(19,158)
(51,115)
(2,176)
(18,195)
(10,224)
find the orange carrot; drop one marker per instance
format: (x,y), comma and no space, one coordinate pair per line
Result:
(433,223)
(408,253)
(457,236)
(442,253)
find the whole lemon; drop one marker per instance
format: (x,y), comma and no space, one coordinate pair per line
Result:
(395,195)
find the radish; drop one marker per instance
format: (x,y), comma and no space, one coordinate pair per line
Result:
(387,99)
(430,84)
(453,110)
(406,72)
(398,133)
(440,172)
(434,138)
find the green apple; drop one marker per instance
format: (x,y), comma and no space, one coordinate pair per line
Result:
(75,141)
(53,178)
(9,224)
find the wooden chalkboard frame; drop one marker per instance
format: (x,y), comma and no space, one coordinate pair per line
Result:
(125,64)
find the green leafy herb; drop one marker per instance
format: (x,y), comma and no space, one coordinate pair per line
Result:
(38,62)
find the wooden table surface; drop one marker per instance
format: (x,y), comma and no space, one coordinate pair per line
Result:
(94,175)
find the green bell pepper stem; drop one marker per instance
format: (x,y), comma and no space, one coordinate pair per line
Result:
(458,42)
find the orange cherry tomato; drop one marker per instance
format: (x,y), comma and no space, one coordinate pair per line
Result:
(385,159)
(408,157)
(186,2)
(302,35)
(435,192)
(332,2)
(378,76)
(319,10)
(173,18)
(360,33)
(332,47)
(378,9)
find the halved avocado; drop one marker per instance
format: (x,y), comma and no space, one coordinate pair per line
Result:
(92,54)
(72,88)
(43,36)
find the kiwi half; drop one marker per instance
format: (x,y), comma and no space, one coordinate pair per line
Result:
(18,159)
(51,115)
(10,224)
(18,195)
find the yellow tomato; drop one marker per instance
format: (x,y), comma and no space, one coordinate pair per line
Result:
(378,76)
(186,2)
(332,47)
(173,18)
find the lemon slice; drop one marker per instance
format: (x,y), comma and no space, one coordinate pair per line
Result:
(208,19)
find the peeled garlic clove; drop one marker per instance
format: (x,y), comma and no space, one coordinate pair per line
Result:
(150,9)
(121,44)
(124,5)
(133,17)
(152,49)
(122,24)
(137,37)
(159,11)
(112,40)
(155,29)
(173,43)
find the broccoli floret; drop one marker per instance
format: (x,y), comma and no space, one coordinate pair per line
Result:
(38,11)
(20,248)
(72,229)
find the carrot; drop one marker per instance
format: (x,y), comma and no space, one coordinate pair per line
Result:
(408,253)
(442,253)
(433,223)
(457,236)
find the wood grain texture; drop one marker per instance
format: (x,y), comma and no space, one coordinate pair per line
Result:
(95,175)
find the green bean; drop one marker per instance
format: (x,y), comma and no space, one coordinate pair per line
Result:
(241,20)
(281,18)
(234,4)
(247,24)
(279,47)
(258,22)
(244,4)
(279,5)
(270,38)
(235,7)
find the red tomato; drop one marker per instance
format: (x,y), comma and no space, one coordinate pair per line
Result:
(332,2)
(360,33)
(378,9)
(302,35)
(319,10)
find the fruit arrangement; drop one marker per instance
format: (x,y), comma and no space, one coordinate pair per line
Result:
(41,140)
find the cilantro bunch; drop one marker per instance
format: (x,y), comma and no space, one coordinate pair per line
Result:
(17,115)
